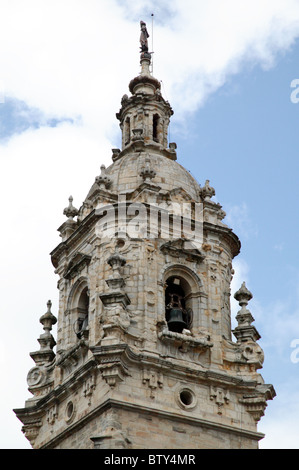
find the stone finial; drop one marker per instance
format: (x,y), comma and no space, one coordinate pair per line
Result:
(245,330)
(243,295)
(103,180)
(46,340)
(221,214)
(70,211)
(147,173)
(207,191)
(48,319)
(124,99)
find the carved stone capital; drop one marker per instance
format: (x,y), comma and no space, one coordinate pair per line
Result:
(255,405)
(113,298)
(256,402)
(31,430)
(111,363)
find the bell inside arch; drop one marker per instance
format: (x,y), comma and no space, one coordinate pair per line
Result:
(176,322)
(175,317)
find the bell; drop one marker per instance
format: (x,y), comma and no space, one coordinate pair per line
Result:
(176,322)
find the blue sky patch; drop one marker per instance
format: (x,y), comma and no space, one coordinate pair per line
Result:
(16,117)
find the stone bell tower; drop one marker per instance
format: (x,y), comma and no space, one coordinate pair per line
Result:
(144,343)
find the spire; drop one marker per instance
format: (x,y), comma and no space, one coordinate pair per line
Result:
(144,117)
(145,82)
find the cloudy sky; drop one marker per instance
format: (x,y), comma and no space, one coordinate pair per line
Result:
(230,71)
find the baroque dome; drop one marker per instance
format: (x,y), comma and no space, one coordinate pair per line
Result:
(146,157)
(128,173)
(169,174)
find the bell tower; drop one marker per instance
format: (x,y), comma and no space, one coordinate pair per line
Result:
(144,346)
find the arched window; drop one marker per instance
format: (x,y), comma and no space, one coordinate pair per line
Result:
(178,312)
(82,311)
(78,306)
(127,131)
(156,121)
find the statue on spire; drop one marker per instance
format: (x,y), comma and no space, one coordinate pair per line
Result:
(143,37)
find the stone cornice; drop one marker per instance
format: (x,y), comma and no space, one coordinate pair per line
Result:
(91,219)
(141,146)
(227,233)
(123,354)
(144,79)
(147,410)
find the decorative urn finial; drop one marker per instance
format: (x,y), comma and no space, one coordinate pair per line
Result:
(103,180)
(207,191)
(245,331)
(46,340)
(70,211)
(243,295)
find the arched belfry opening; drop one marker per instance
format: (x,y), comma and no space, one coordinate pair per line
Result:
(79,307)
(127,131)
(82,311)
(156,123)
(178,313)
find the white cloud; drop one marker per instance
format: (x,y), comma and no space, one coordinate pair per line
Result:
(211,40)
(279,246)
(279,423)
(283,314)
(39,169)
(69,58)
(238,217)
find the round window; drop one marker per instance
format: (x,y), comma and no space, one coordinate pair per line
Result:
(186,398)
(69,411)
